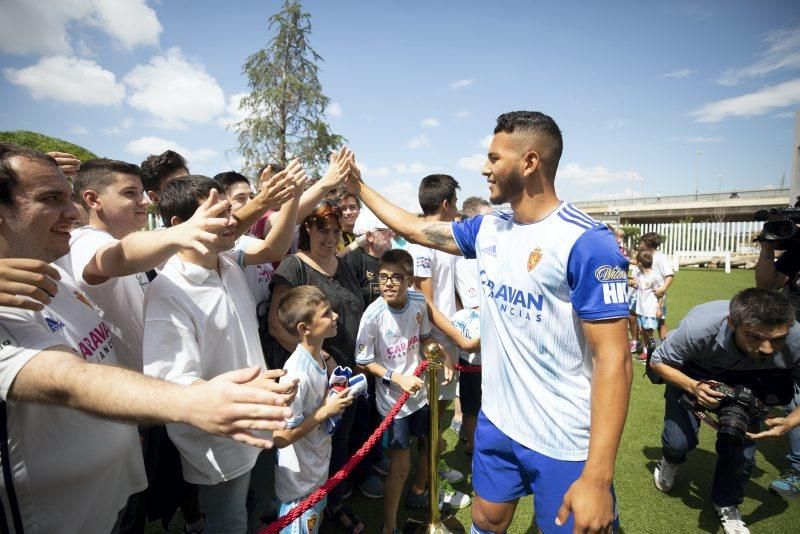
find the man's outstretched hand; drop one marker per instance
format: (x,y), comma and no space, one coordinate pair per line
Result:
(227,406)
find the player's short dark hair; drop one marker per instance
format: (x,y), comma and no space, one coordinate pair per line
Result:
(99,173)
(644,258)
(762,307)
(181,197)
(158,166)
(397,257)
(435,189)
(472,206)
(229,178)
(8,176)
(536,123)
(651,240)
(298,306)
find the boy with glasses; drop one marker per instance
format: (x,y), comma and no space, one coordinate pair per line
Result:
(392,330)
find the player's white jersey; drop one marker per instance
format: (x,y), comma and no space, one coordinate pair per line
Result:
(539,281)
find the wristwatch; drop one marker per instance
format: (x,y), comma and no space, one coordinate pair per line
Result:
(387,378)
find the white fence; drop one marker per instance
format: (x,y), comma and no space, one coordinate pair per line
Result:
(732,237)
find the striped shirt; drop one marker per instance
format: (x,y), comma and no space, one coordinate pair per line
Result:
(539,282)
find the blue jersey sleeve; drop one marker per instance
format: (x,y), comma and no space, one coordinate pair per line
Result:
(465,233)
(598,276)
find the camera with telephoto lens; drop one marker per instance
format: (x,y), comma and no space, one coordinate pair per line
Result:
(780,224)
(736,409)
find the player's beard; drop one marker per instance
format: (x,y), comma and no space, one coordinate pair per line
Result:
(507,188)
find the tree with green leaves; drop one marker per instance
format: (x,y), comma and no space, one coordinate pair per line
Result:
(286,106)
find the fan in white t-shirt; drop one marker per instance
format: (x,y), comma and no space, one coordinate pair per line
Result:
(662,265)
(434,277)
(112,261)
(71,461)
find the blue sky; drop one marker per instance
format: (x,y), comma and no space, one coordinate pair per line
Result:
(638,88)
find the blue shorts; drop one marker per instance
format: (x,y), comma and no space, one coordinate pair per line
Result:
(308,523)
(647,323)
(504,470)
(398,436)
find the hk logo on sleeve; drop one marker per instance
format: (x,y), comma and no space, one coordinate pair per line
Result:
(614,282)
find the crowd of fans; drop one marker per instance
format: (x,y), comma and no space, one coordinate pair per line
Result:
(260,331)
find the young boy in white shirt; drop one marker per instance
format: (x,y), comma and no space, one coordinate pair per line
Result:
(305,445)
(200,322)
(649,304)
(392,330)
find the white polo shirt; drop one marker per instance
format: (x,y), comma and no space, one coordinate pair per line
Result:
(121,300)
(70,472)
(199,324)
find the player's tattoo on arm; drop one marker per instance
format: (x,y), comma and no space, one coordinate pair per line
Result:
(438,234)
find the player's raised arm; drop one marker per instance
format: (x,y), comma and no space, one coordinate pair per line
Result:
(438,235)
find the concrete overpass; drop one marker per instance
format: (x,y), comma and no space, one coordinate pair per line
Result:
(717,207)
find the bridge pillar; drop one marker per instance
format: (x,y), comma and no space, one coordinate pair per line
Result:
(795,187)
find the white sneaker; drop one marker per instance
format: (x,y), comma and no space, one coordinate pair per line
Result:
(664,475)
(449,474)
(731,520)
(453,499)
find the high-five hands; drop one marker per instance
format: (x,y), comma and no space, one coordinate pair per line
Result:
(275,190)
(204,228)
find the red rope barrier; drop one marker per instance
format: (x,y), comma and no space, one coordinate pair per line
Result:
(318,494)
(468,368)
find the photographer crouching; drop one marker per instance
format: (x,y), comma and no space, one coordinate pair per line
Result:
(729,358)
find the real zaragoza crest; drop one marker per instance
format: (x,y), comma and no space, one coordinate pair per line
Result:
(534,258)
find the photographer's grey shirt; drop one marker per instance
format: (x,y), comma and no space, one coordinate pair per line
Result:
(704,338)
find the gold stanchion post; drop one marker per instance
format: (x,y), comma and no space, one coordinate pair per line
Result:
(151,216)
(433,355)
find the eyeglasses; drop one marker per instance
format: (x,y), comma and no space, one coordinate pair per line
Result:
(396,279)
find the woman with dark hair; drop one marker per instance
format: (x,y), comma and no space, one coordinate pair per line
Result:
(316,264)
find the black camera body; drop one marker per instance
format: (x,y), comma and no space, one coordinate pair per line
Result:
(780,224)
(736,410)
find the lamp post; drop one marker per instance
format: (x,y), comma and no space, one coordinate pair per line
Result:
(697,177)
(719,183)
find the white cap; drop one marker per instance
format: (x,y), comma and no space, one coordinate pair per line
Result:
(367,222)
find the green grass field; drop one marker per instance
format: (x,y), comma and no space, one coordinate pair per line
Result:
(643,509)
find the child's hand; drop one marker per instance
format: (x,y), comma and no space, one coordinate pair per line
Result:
(336,404)
(449,368)
(659,314)
(409,384)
